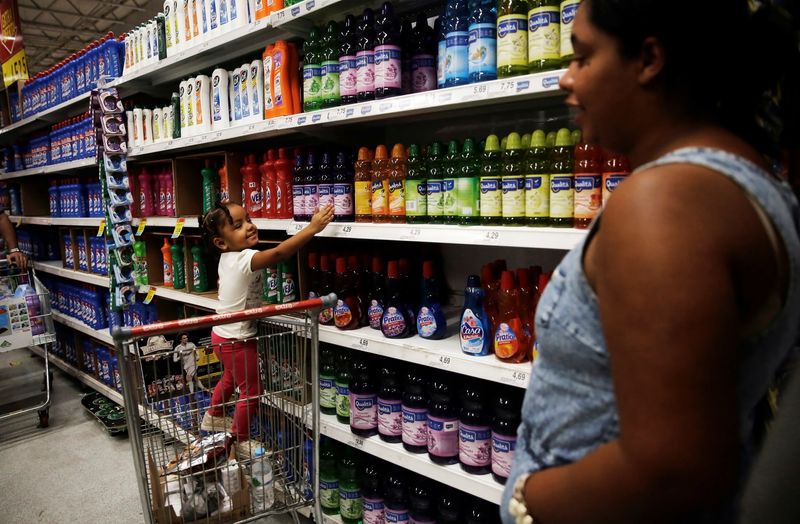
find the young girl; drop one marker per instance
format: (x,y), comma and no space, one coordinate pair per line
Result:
(228,229)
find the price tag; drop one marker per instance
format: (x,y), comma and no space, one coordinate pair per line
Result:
(301,120)
(357,442)
(346,230)
(520,378)
(361,343)
(150,294)
(413,234)
(140,229)
(503,88)
(366,109)
(480,90)
(337,114)
(296,227)
(439,361)
(310,5)
(492,236)
(178,227)
(271,124)
(217,135)
(279,17)
(251,128)
(549,82)
(101,228)
(385,107)
(316,118)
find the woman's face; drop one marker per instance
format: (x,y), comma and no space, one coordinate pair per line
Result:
(601,85)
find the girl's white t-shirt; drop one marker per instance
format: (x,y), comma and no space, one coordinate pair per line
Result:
(239,289)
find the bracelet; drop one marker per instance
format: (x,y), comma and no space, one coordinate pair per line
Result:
(13,250)
(516,505)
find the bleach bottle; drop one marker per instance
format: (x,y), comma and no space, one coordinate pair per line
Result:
(431,322)
(474,332)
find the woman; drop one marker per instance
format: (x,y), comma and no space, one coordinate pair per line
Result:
(661,331)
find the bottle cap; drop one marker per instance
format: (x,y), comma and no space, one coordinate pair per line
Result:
(324,263)
(523,277)
(352,263)
(538,139)
(282,153)
(313,260)
(526,141)
(434,149)
(469,147)
(474,281)
(364,153)
(377,265)
(550,140)
(405,266)
(492,144)
(341,265)
(503,143)
(381,153)
(413,150)
(563,138)
(399,151)
(391,269)
(428,269)
(514,142)
(507,281)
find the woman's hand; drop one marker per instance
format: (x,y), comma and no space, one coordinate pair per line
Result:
(18,259)
(321,219)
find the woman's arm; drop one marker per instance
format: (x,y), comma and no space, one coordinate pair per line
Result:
(287,248)
(664,279)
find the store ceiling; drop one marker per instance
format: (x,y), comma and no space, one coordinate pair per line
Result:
(54,29)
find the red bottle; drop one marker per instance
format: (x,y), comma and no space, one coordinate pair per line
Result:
(269,181)
(588,184)
(346,313)
(251,187)
(224,190)
(512,342)
(283,186)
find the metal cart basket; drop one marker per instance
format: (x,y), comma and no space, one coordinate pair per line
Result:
(250,456)
(25,321)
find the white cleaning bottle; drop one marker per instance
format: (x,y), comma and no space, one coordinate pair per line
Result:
(130,127)
(202,103)
(181,21)
(153,32)
(169,122)
(220,100)
(244,90)
(236,99)
(168,27)
(187,24)
(257,90)
(157,115)
(190,121)
(138,127)
(238,13)
(213,18)
(147,127)
(184,106)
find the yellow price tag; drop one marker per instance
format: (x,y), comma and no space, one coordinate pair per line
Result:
(178,227)
(140,229)
(16,68)
(150,294)
(102,228)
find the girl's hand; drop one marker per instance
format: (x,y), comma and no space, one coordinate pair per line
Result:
(321,219)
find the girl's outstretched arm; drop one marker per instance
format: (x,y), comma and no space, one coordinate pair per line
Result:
(287,248)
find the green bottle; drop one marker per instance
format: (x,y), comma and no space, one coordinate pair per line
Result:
(537,181)
(512,38)
(288,285)
(416,187)
(351,501)
(178,267)
(576,137)
(544,35)
(469,185)
(568,9)
(162,36)
(491,183)
(513,182)
(503,143)
(562,181)
(452,161)
(328,476)
(526,141)
(175,100)
(435,181)
(270,285)
(312,72)
(329,88)
(140,265)
(199,269)
(342,383)
(327,382)
(210,186)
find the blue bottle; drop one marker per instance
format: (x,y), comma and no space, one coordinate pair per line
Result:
(397,320)
(456,62)
(474,331)
(441,51)
(431,322)
(482,41)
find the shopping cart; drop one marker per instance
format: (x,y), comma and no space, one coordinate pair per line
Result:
(26,321)
(187,473)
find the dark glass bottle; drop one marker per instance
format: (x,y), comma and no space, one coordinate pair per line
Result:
(505,421)
(442,422)
(343,387)
(372,488)
(415,412)
(449,506)
(348,43)
(388,55)
(327,380)
(365,57)
(363,398)
(376,296)
(390,400)
(421,505)
(396,495)
(475,431)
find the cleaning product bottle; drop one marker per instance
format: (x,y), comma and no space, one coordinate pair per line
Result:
(588,184)
(162,195)
(312,72)
(202,109)
(170,193)
(298,189)
(512,38)
(387,54)
(562,181)
(365,57)
(311,185)
(415,411)
(423,56)
(199,270)
(269,181)
(363,398)
(140,254)
(235,94)
(380,185)
(475,331)
(483,41)
(343,205)
(363,185)
(527,299)
(474,431)
(376,297)
(544,35)
(397,319)
(210,188)
(288,286)
(166,255)
(268,68)
(568,10)
(178,267)
(397,185)
(442,422)
(431,322)
(273,281)
(441,50)
(457,43)
(513,182)
(325,181)
(244,91)
(329,89)
(294,85)
(468,185)
(510,340)
(251,187)
(452,169)
(284,205)
(348,42)
(615,170)
(191,127)
(537,181)
(146,208)
(435,183)
(491,287)
(256,92)
(416,187)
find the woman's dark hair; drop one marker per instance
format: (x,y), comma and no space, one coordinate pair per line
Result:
(722,59)
(211,225)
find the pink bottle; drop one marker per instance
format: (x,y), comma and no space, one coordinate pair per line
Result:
(169,193)
(146,192)
(163,187)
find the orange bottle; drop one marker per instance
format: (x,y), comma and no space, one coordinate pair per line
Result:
(224,190)
(295,81)
(362,191)
(527,297)
(380,185)
(262,9)
(511,339)
(282,66)
(166,254)
(267,59)
(397,185)
(273,5)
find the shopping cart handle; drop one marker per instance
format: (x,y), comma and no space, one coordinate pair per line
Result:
(123,333)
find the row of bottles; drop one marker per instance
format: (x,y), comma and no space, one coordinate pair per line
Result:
(155,192)
(174,265)
(473,425)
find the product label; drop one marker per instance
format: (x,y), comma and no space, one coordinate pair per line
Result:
(442,436)
(311,198)
(327,393)
(380,197)
(167,274)
(416,198)
(472,333)
(483,49)
(396,515)
(363,411)
(348,79)
(237,100)
(278,87)
(342,200)
(440,63)
(312,78)
(513,196)
(512,40)
(475,445)
(426,323)
(298,200)
(506,341)
(326,315)
(351,505)
(245,97)
(467,191)
(568,10)
(268,102)
(342,316)
(330,80)
(365,72)
(537,196)
(375,314)
(610,183)
(374,511)
(342,400)
(435,199)
(393,323)
(423,73)
(254,94)
(329,493)
(491,199)
(325,195)
(387,67)
(503,447)
(456,63)
(588,195)
(397,198)
(544,34)
(449,197)
(562,196)
(390,417)
(363,198)
(415,426)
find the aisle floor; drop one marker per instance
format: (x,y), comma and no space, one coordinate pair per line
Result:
(72,471)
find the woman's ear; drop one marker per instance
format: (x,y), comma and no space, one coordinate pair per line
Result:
(652,60)
(220,244)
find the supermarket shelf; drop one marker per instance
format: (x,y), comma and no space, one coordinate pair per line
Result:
(470,96)
(51,221)
(204,301)
(87,379)
(62,168)
(54,267)
(101,335)
(500,236)
(62,111)
(263,224)
(482,486)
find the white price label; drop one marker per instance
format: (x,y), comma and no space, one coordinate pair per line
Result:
(505,87)
(520,378)
(491,236)
(217,135)
(413,234)
(361,343)
(297,227)
(385,107)
(251,128)
(279,17)
(346,230)
(337,114)
(480,90)
(357,442)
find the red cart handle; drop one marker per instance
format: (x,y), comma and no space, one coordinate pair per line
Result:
(122,333)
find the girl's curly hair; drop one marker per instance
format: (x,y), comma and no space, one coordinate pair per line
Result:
(211,225)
